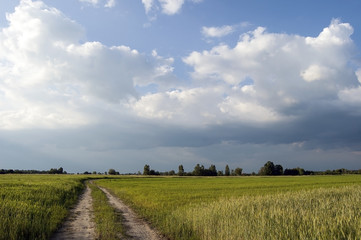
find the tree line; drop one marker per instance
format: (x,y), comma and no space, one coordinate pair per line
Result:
(268,169)
(17,171)
(199,170)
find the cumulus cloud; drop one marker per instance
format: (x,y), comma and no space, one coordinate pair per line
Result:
(48,78)
(277,88)
(267,95)
(285,69)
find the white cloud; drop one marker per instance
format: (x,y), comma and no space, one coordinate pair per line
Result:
(316,72)
(93,2)
(196,106)
(265,78)
(279,64)
(48,79)
(110,4)
(217,31)
(148,4)
(96,3)
(168,7)
(171,7)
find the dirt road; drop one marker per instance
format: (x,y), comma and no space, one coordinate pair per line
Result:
(136,228)
(79,224)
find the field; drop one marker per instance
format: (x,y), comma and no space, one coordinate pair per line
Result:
(308,207)
(33,206)
(312,207)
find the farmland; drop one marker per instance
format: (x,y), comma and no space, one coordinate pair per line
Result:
(33,206)
(307,207)
(314,207)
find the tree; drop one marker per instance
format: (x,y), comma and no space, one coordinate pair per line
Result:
(212,171)
(267,169)
(227,172)
(180,170)
(238,171)
(270,169)
(112,171)
(294,171)
(197,170)
(146,170)
(278,170)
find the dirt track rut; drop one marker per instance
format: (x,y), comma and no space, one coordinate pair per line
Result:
(136,228)
(79,225)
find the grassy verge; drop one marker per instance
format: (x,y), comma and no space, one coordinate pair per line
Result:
(108,220)
(314,207)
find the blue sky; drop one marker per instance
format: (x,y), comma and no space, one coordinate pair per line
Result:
(98,84)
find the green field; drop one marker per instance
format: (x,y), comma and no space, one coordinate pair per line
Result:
(33,206)
(309,207)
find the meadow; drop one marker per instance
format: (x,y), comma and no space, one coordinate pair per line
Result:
(307,207)
(33,206)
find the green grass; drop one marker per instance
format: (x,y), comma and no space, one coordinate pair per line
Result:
(309,207)
(108,220)
(33,206)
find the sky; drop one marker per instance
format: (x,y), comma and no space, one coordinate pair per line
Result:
(90,85)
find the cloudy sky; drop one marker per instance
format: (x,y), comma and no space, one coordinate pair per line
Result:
(96,84)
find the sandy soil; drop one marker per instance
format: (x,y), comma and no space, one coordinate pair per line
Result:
(79,224)
(136,228)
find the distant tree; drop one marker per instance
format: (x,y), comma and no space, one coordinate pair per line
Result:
(112,171)
(146,170)
(180,170)
(278,170)
(270,169)
(267,169)
(56,171)
(198,170)
(294,171)
(227,171)
(212,171)
(291,172)
(153,172)
(94,172)
(171,173)
(238,171)
(220,173)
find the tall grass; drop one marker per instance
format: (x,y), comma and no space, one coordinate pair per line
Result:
(309,214)
(33,206)
(316,207)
